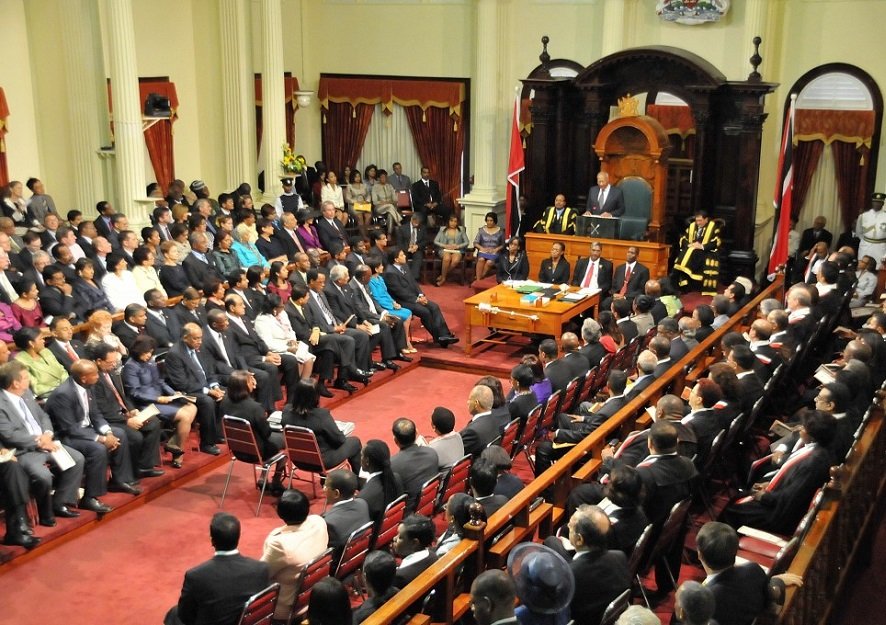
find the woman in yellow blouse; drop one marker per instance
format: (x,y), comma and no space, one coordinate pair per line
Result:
(46,372)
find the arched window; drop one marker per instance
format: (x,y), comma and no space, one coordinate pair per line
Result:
(838,115)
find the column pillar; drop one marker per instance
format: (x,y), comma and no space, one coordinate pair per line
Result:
(273,107)
(613,34)
(87,102)
(484,195)
(129,140)
(238,94)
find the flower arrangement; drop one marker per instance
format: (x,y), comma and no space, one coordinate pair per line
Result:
(289,163)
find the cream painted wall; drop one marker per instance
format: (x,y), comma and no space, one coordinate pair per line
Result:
(403,37)
(16,80)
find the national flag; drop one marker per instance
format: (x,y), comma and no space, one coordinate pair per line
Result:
(784,190)
(516,164)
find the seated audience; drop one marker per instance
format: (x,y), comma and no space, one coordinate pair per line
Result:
(88,294)
(26,309)
(413,463)
(694,604)
(27,429)
(82,427)
(289,548)
(144,273)
(448,443)
(493,598)
(329,604)
(545,584)
(135,316)
(522,397)
(413,543)
(119,284)
(216,591)
(379,291)
(273,327)
(66,349)
(506,483)
(382,486)
(483,427)
(483,480)
(452,244)
(457,516)
(344,512)
(99,330)
(144,386)
(379,570)
(555,270)
(45,371)
(303,410)
(489,243)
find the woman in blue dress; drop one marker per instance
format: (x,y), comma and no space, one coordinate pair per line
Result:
(246,250)
(489,242)
(144,386)
(379,291)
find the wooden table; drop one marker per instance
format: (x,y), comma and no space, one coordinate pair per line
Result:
(653,255)
(550,318)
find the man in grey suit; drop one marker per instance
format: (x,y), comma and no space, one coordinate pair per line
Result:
(25,428)
(483,428)
(414,464)
(344,513)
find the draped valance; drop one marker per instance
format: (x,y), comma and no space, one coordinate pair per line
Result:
(4,114)
(290,86)
(830,125)
(387,92)
(676,120)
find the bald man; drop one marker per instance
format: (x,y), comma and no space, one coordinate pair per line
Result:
(79,424)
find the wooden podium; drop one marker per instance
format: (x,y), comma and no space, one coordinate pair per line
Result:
(653,255)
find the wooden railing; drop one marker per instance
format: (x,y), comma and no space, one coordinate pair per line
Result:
(518,520)
(843,531)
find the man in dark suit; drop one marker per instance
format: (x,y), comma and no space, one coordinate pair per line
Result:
(329,229)
(412,238)
(577,363)
(340,300)
(27,429)
(56,299)
(556,370)
(74,412)
(161,323)
(117,410)
(629,279)
(622,311)
(135,316)
(483,478)
(427,199)
(743,592)
(9,278)
(661,347)
(601,574)
(415,535)
(743,361)
(703,418)
(415,465)
(221,347)
(483,427)
(299,275)
(604,200)
(191,371)
(287,237)
(200,266)
(328,348)
(355,361)
(768,358)
(592,350)
(369,309)
(256,352)
(593,272)
(779,504)
(406,292)
(670,329)
(344,512)
(86,234)
(813,235)
(66,350)
(189,310)
(646,362)
(215,592)
(103,223)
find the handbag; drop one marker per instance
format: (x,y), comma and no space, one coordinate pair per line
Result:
(363,207)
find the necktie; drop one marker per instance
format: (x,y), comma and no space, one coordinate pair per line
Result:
(116,392)
(71,353)
(427,185)
(29,419)
(327,313)
(159,317)
(199,366)
(589,275)
(220,339)
(601,199)
(411,235)
(368,299)
(624,287)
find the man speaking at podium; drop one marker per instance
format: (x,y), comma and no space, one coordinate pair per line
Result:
(604,200)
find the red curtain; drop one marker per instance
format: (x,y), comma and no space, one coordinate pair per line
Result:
(4,115)
(851,163)
(440,140)
(289,88)
(158,138)
(344,133)
(806,157)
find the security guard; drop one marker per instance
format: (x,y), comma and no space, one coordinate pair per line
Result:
(871,229)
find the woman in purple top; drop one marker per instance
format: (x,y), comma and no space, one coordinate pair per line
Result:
(306,231)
